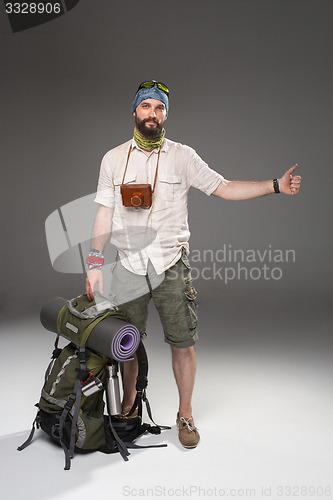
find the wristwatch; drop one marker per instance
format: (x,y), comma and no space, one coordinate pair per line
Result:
(276,186)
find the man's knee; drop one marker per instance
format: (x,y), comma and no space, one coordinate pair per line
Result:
(182,352)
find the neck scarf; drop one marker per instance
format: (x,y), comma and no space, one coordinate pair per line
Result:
(148,144)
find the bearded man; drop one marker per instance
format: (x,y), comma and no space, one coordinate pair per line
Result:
(151,234)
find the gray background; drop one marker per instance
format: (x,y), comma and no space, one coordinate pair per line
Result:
(251,91)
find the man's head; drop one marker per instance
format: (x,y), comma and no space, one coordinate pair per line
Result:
(150,108)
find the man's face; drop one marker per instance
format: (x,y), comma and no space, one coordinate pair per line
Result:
(150,116)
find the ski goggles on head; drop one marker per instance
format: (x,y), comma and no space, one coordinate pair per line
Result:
(151,83)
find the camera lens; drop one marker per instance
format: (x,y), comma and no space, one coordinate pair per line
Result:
(137,199)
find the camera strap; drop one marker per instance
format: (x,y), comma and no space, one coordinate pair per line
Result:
(158,161)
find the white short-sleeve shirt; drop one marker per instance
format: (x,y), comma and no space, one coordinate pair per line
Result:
(158,233)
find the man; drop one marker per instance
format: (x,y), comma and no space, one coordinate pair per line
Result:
(152,242)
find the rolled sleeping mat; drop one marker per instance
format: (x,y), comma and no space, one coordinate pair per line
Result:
(112,336)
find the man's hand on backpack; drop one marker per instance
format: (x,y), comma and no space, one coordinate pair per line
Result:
(94,277)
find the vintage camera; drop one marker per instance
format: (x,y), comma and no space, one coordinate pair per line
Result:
(136,195)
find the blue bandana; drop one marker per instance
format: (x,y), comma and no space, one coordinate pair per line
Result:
(150,93)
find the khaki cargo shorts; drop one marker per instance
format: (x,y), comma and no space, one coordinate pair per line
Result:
(173,294)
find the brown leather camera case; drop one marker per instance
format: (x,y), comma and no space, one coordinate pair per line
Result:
(136,195)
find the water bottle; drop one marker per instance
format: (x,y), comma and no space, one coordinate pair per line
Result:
(113,390)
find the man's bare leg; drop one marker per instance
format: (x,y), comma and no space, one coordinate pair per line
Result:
(129,376)
(184,367)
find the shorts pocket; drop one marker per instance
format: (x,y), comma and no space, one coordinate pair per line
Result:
(192,306)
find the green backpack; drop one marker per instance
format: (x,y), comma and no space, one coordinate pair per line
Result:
(71,409)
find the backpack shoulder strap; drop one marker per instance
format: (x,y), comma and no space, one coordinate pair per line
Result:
(35,424)
(75,398)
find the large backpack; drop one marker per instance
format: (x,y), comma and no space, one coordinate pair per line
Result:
(71,409)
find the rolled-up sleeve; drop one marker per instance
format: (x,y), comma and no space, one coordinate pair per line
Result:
(200,175)
(105,189)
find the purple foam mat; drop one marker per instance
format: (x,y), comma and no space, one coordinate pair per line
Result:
(125,342)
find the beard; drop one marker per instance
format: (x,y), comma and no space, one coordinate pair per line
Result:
(147,131)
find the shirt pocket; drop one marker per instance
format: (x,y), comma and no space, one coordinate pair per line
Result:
(169,187)
(118,182)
